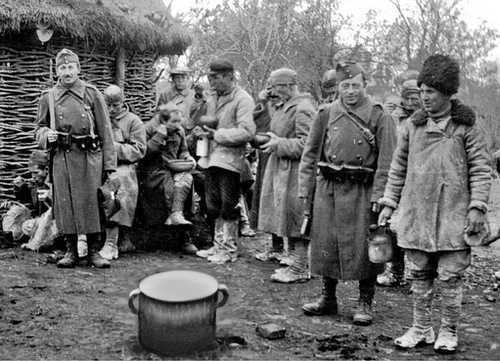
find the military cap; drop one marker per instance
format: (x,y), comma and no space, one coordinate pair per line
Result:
(220,66)
(347,70)
(283,76)
(66,56)
(180,70)
(410,87)
(440,72)
(329,79)
(113,93)
(38,158)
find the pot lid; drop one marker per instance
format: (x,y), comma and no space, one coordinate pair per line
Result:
(178,286)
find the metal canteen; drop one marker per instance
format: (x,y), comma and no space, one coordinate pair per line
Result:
(177,311)
(380,244)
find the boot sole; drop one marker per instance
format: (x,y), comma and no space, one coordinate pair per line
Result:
(312,313)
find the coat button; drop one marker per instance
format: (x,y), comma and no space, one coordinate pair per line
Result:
(334,156)
(360,142)
(335,128)
(358,156)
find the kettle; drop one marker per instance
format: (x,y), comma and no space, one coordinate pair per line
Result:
(380,243)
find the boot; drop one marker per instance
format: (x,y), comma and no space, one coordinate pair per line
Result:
(188,247)
(298,271)
(218,240)
(273,254)
(363,315)
(421,331)
(125,244)
(228,250)
(326,304)
(245,229)
(176,218)
(110,249)
(70,258)
(94,258)
(451,308)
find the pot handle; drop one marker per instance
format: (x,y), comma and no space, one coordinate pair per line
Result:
(225,295)
(131,297)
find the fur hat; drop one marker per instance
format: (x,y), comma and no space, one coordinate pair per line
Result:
(440,72)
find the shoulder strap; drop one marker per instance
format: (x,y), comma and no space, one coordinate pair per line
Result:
(52,115)
(358,122)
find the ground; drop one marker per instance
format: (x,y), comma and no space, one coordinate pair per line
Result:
(82,313)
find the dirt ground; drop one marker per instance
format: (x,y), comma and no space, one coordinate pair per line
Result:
(82,313)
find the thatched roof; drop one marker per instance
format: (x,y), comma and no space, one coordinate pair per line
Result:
(136,25)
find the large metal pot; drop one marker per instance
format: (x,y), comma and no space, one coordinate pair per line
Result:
(177,311)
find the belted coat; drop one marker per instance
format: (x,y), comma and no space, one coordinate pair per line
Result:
(77,173)
(280,210)
(341,211)
(436,176)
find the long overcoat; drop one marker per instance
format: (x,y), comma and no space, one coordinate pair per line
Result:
(129,136)
(77,174)
(342,207)
(436,176)
(281,211)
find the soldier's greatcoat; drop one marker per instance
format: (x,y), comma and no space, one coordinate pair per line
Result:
(77,173)
(129,137)
(342,206)
(280,210)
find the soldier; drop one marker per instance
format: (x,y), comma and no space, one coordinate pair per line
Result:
(280,211)
(439,181)
(73,122)
(166,142)
(129,138)
(351,142)
(231,128)
(329,86)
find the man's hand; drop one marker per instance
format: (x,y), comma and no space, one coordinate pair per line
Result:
(52,135)
(385,215)
(271,145)
(375,207)
(475,221)
(209,132)
(107,174)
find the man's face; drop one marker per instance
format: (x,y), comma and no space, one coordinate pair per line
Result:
(329,93)
(352,90)
(180,81)
(38,174)
(220,82)
(68,73)
(171,118)
(115,108)
(282,91)
(433,100)
(412,101)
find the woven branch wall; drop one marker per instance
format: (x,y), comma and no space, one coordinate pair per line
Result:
(25,70)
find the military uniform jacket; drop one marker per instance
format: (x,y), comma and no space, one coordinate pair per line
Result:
(281,210)
(341,212)
(77,173)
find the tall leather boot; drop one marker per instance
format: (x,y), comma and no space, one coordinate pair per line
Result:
(176,218)
(95,259)
(451,308)
(298,271)
(363,315)
(421,331)
(326,304)
(245,229)
(218,240)
(70,258)
(110,249)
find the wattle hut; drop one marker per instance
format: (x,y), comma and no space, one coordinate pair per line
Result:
(118,42)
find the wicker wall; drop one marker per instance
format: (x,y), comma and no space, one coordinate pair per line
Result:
(25,71)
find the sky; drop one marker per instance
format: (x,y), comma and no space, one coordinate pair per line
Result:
(473,11)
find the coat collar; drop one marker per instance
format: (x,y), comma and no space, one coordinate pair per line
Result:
(362,109)
(78,89)
(460,113)
(226,98)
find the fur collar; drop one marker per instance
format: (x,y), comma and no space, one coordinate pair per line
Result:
(461,114)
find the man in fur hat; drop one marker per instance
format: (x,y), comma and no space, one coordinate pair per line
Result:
(73,122)
(351,142)
(439,181)
(129,137)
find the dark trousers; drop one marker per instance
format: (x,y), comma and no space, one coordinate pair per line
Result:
(223,193)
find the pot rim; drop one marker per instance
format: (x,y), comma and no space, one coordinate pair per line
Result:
(209,282)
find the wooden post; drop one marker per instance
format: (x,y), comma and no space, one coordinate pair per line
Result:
(120,67)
